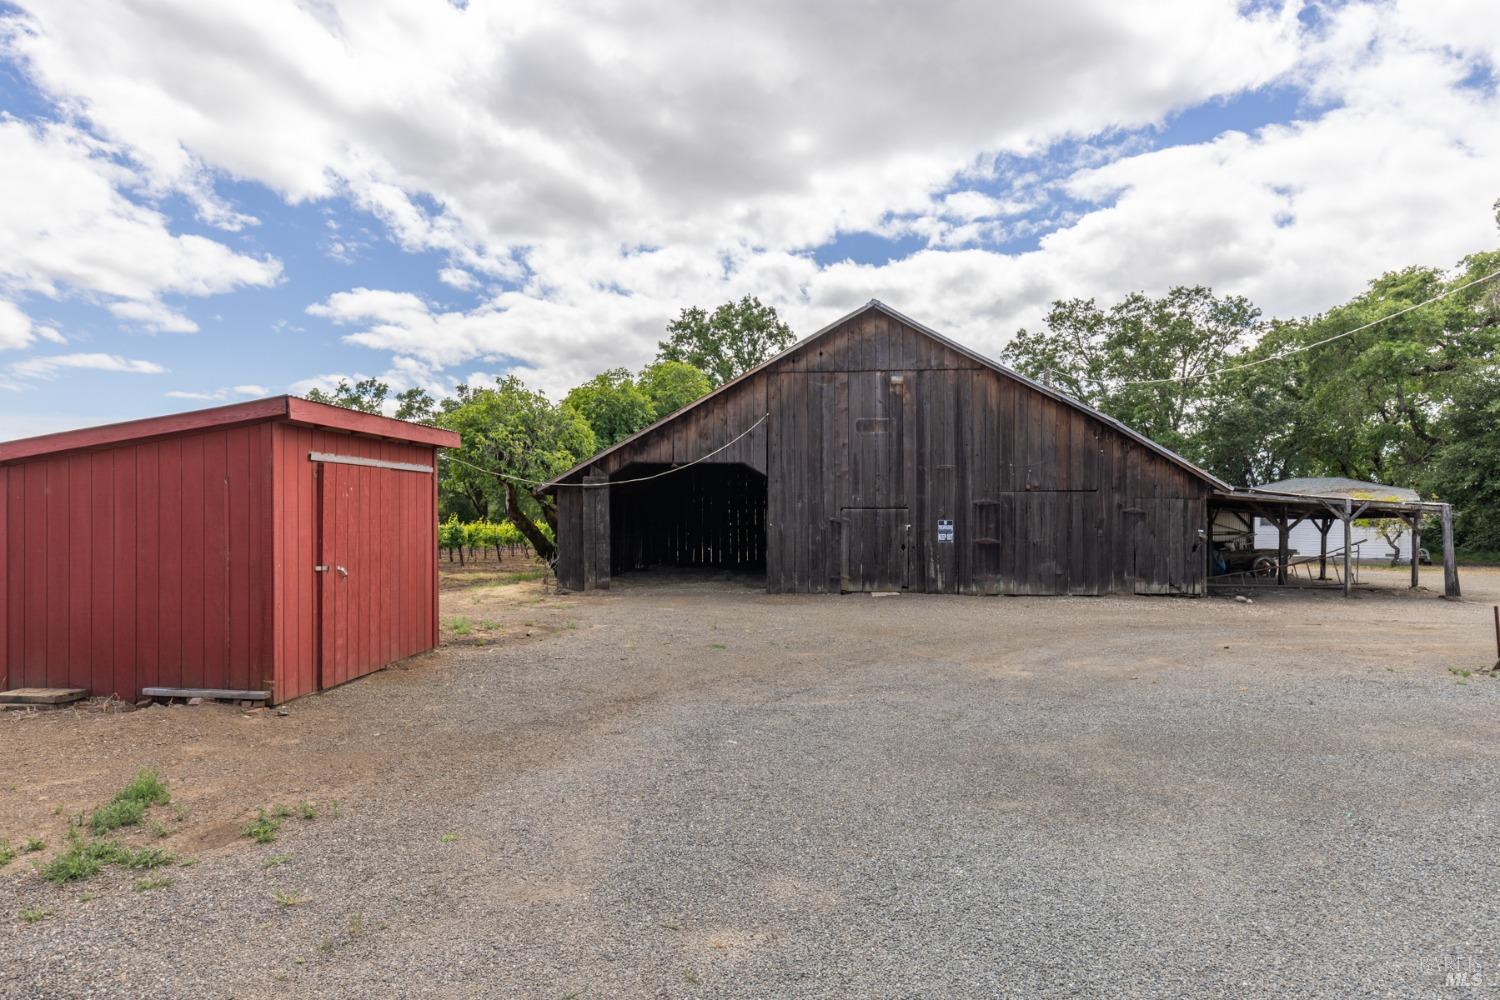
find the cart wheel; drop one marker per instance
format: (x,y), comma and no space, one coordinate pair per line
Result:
(1264,566)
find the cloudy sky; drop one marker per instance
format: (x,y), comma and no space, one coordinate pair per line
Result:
(208,200)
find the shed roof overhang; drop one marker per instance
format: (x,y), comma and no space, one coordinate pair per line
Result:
(288,408)
(1262,503)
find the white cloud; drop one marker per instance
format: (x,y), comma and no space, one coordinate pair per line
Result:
(643,157)
(67,228)
(656,123)
(457,277)
(220,395)
(48,366)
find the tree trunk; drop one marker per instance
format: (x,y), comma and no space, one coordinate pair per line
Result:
(526,526)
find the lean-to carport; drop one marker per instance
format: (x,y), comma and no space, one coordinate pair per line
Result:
(1325,503)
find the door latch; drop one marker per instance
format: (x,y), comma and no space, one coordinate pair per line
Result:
(321,568)
(342,571)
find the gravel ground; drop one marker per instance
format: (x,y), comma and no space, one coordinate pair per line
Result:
(694,789)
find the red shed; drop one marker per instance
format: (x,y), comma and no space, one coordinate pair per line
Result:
(278,545)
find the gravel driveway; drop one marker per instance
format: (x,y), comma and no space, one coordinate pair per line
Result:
(695,789)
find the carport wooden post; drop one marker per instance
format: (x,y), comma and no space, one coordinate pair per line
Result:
(1450,564)
(1283,531)
(1416,546)
(1349,540)
(1323,525)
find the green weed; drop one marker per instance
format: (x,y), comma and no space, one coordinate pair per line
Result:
(32,916)
(448,838)
(307,810)
(33,844)
(288,899)
(153,882)
(83,859)
(277,860)
(263,828)
(130,803)
(146,857)
(461,625)
(7,853)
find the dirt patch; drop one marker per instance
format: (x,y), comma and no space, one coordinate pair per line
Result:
(224,763)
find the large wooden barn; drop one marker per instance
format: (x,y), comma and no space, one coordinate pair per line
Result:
(877,455)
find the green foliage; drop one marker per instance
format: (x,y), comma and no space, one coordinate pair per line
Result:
(1094,355)
(130,803)
(85,857)
(513,430)
(153,882)
(416,405)
(1412,401)
(33,844)
(367,395)
(127,812)
(614,406)
(34,914)
(728,342)
(7,853)
(671,385)
(263,828)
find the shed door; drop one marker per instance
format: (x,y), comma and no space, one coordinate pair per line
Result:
(874,549)
(375,591)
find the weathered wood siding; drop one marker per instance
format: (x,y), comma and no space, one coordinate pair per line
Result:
(878,436)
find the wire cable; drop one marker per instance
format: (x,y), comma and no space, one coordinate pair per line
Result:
(1285,354)
(613,482)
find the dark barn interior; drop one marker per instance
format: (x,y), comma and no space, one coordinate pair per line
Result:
(707,516)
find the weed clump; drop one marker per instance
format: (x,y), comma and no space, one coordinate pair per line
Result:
(130,803)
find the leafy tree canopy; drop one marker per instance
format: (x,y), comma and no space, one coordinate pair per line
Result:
(1099,355)
(671,385)
(728,342)
(520,432)
(612,403)
(367,395)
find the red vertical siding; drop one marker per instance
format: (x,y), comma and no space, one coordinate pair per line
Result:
(126,486)
(148,564)
(129,567)
(5,658)
(186,560)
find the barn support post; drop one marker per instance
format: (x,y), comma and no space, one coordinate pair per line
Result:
(595,533)
(1323,524)
(1450,563)
(1416,547)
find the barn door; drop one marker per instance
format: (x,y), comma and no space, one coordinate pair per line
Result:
(1166,547)
(373,594)
(875,545)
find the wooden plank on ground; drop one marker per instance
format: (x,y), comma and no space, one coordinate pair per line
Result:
(41,696)
(227,693)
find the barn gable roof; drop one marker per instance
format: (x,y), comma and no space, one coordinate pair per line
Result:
(878,306)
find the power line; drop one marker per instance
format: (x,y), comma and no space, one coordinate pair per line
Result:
(613,482)
(1287,354)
